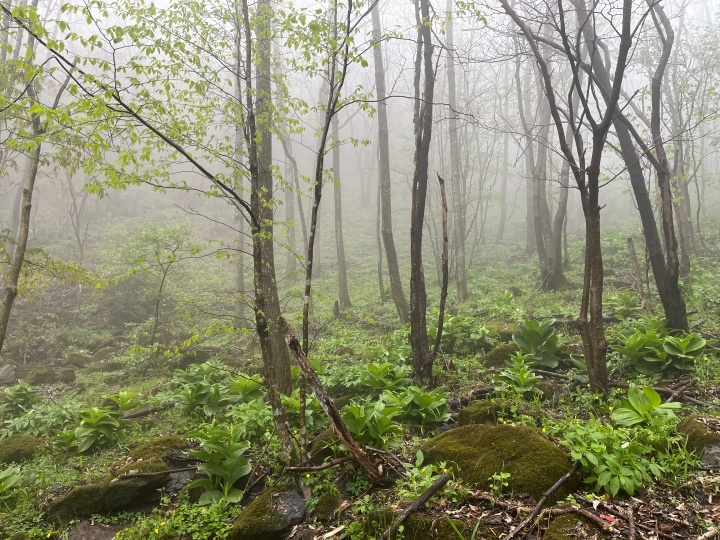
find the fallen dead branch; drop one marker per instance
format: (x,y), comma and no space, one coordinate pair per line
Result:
(542,501)
(145,412)
(328,465)
(420,501)
(358,451)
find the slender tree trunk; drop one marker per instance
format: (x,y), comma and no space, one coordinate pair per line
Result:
(343,294)
(384,177)
(458,195)
(287,148)
(378,235)
(23,231)
(422,361)
(275,354)
(505,163)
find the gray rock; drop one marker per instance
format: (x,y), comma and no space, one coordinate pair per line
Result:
(8,375)
(84,530)
(78,360)
(104,354)
(271,516)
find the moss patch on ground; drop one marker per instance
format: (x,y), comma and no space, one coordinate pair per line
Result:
(479,451)
(572,526)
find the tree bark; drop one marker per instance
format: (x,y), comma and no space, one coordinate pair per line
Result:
(343,294)
(458,195)
(396,287)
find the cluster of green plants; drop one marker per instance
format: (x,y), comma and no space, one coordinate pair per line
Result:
(517,378)
(462,335)
(539,342)
(185,520)
(647,347)
(641,447)
(9,478)
(376,421)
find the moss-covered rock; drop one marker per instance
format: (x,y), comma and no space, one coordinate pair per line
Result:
(105,354)
(269,517)
(321,447)
(698,436)
(153,465)
(161,448)
(326,505)
(41,376)
(479,451)
(110,493)
(572,526)
(78,360)
(66,375)
(502,331)
(18,448)
(483,412)
(499,355)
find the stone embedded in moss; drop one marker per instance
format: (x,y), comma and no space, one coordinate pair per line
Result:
(502,331)
(269,517)
(479,451)
(161,447)
(571,525)
(20,447)
(483,412)
(499,355)
(79,501)
(699,438)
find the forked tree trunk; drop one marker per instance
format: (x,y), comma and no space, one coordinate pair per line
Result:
(422,361)
(388,240)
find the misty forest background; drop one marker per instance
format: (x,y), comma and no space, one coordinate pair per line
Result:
(267,219)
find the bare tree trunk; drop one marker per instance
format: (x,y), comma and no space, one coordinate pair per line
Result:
(421,360)
(287,148)
(378,235)
(344,295)
(291,258)
(456,190)
(384,176)
(275,354)
(505,163)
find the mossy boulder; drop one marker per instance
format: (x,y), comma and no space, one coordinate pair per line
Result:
(105,354)
(8,375)
(270,516)
(326,505)
(111,493)
(572,525)
(499,355)
(66,375)
(18,448)
(161,447)
(79,360)
(42,376)
(502,331)
(698,436)
(483,412)
(479,451)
